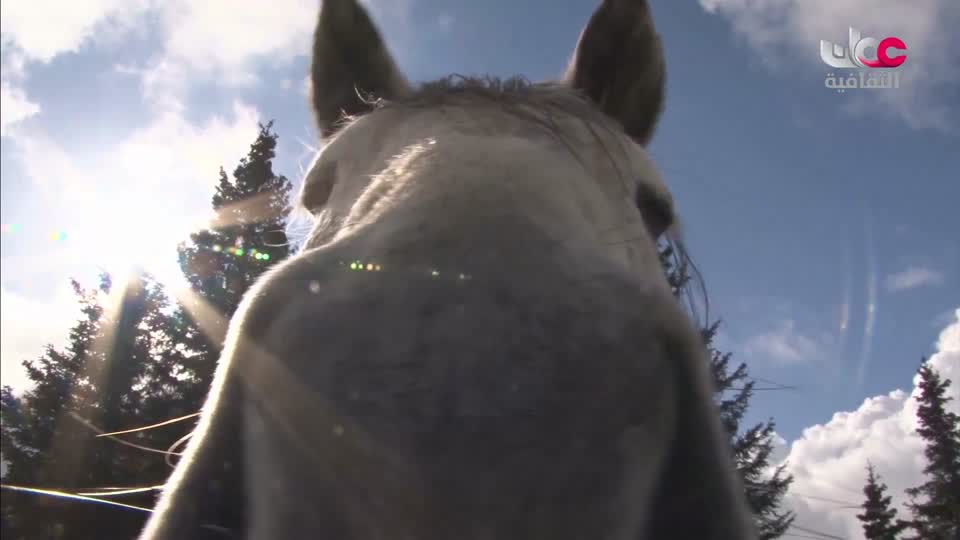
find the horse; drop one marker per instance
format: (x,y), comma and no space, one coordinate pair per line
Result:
(477,340)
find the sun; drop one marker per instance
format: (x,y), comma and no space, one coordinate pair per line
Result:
(130,232)
(127,240)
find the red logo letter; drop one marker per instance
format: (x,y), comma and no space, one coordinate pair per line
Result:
(887,43)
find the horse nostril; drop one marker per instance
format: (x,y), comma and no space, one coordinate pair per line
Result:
(318,185)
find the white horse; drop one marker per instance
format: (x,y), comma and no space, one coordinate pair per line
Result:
(478,341)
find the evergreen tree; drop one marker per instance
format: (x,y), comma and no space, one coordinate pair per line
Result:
(935,504)
(247,238)
(106,378)
(752,447)
(157,365)
(879,518)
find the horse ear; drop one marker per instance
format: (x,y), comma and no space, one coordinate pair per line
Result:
(350,60)
(618,63)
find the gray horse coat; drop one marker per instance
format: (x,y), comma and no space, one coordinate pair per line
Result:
(508,362)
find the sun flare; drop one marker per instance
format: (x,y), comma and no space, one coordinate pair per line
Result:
(124,242)
(127,239)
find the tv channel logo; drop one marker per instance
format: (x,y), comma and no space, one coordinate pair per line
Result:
(890,52)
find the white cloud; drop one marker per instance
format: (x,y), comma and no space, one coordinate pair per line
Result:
(829,460)
(779,450)
(210,40)
(13,62)
(49,168)
(163,83)
(787,33)
(171,149)
(158,162)
(27,325)
(42,29)
(14,107)
(783,344)
(913,277)
(218,41)
(221,38)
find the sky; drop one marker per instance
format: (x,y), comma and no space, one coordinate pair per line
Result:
(824,223)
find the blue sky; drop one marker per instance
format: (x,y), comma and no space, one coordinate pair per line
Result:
(824,223)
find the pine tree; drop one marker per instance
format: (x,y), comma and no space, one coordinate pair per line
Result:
(752,447)
(879,518)
(105,378)
(158,366)
(247,238)
(935,504)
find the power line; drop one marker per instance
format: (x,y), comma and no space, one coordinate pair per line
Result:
(761,487)
(775,383)
(825,499)
(819,534)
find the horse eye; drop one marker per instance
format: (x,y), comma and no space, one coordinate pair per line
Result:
(657,213)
